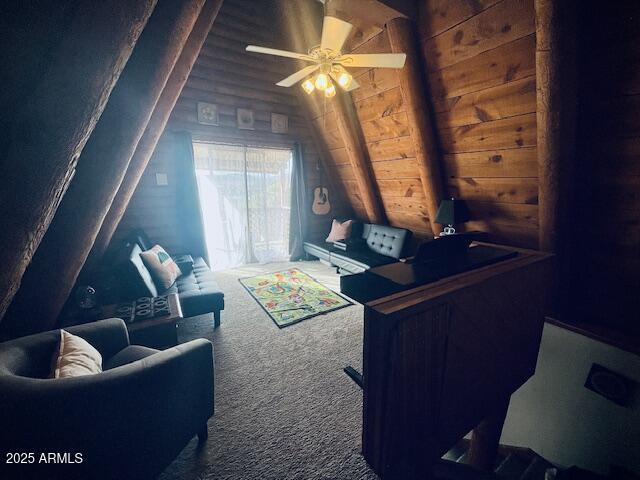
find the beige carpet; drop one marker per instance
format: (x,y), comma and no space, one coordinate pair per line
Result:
(284,408)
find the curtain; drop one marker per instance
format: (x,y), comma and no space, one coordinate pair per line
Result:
(187,197)
(245,196)
(299,212)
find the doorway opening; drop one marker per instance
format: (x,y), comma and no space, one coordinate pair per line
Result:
(245,199)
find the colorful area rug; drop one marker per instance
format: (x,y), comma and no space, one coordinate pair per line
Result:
(290,296)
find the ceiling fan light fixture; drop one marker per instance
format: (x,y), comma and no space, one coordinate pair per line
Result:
(322,81)
(330,91)
(308,86)
(344,79)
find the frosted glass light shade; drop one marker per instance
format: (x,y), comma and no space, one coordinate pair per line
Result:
(330,91)
(308,86)
(322,81)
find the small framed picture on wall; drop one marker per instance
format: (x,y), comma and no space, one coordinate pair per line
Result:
(207,113)
(279,123)
(245,119)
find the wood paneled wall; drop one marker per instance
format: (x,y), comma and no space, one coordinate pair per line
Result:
(480,77)
(228,76)
(606,264)
(480,59)
(155,208)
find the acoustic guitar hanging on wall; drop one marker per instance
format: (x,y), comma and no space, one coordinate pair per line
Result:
(321,204)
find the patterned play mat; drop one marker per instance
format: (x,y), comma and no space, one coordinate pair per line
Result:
(290,296)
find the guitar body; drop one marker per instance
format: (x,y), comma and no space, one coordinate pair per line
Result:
(321,205)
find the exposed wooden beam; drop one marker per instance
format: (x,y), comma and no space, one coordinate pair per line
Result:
(52,129)
(403,38)
(351,133)
(555,117)
(339,196)
(157,123)
(101,167)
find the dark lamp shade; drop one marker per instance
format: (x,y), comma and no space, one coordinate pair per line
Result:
(452,212)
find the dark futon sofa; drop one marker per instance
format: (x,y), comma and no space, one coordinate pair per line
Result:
(197,288)
(370,245)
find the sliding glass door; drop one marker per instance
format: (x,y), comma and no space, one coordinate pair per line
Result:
(245,197)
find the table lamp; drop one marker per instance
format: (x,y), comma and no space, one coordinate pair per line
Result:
(452,212)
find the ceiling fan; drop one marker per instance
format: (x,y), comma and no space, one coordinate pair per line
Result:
(328,59)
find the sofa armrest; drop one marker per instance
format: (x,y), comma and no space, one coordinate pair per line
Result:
(107,336)
(140,413)
(184,262)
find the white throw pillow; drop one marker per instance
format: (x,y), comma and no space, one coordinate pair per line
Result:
(76,357)
(164,270)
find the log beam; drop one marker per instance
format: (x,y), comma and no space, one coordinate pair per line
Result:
(101,168)
(353,138)
(403,39)
(485,438)
(556,118)
(52,129)
(156,126)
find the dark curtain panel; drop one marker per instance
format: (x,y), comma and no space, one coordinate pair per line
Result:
(187,197)
(299,211)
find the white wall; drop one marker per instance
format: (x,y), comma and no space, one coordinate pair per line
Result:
(556,416)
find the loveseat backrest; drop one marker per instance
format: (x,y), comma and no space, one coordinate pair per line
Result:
(386,240)
(137,279)
(29,356)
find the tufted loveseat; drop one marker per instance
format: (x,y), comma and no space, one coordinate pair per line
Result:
(370,245)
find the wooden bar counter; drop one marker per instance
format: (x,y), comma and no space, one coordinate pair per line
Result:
(441,358)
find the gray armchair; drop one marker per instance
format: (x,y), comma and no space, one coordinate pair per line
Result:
(130,421)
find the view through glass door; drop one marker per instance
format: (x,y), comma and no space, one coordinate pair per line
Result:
(245,198)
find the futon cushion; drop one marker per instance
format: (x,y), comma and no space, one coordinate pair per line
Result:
(162,267)
(359,260)
(319,249)
(198,290)
(339,230)
(75,357)
(128,355)
(387,240)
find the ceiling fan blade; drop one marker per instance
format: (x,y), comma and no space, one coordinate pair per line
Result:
(334,33)
(381,60)
(352,86)
(299,75)
(279,53)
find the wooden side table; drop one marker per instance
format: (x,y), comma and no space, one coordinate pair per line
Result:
(157,332)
